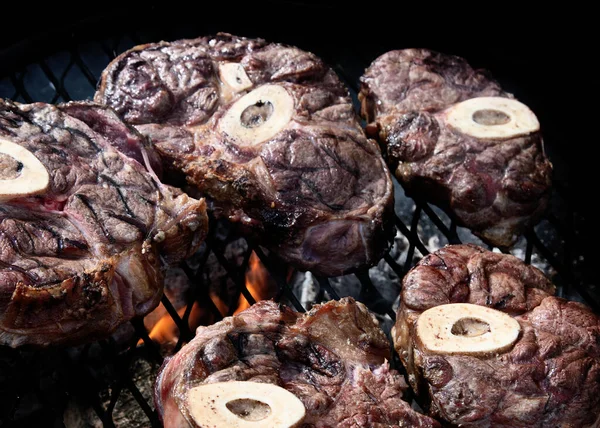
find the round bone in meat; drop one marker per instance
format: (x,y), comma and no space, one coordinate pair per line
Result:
(549,377)
(258,115)
(234,76)
(333,359)
(87,254)
(32,177)
(455,138)
(466,329)
(211,405)
(492,117)
(268,133)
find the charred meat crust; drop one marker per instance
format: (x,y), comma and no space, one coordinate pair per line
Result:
(549,377)
(334,359)
(83,257)
(317,193)
(495,187)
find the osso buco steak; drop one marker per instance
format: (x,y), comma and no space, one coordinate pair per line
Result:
(268,134)
(84,229)
(487,344)
(453,137)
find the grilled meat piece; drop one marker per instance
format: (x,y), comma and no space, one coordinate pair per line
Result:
(548,376)
(84,229)
(123,137)
(456,139)
(268,134)
(334,359)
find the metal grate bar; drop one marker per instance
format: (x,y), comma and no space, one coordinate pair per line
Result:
(283,285)
(453,228)
(184,330)
(196,285)
(140,330)
(369,293)
(58,87)
(236,276)
(416,241)
(201,291)
(326,285)
(122,363)
(198,291)
(113,400)
(18,84)
(395,266)
(83,67)
(242,283)
(528,251)
(137,395)
(413,231)
(590,300)
(450,234)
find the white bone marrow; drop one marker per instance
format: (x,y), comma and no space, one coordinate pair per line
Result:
(258,116)
(464,328)
(32,177)
(493,118)
(244,405)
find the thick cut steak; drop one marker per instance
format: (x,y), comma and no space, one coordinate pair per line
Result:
(334,359)
(84,229)
(268,134)
(456,139)
(547,375)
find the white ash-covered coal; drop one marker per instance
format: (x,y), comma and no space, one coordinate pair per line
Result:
(385,279)
(127,411)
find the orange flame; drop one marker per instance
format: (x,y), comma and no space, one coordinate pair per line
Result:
(258,283)
(164,330)
(219,303)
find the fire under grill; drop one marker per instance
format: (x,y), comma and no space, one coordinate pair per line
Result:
(109,383)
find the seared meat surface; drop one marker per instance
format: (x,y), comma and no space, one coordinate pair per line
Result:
(84,229)
(334,359)
(484,167)
(549,377)
(268,134)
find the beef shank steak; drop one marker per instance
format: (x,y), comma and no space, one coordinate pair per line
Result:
(84,229)
(268,134)
(456,139)
(487,345)
(332,359)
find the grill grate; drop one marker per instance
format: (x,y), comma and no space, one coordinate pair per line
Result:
(39,384)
